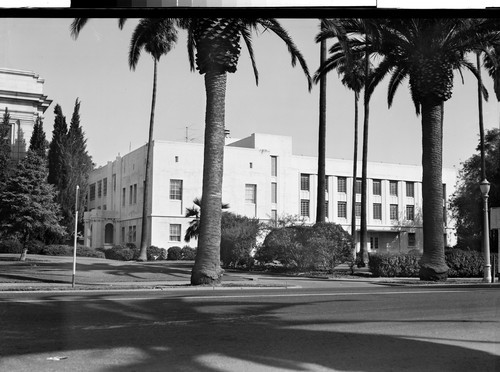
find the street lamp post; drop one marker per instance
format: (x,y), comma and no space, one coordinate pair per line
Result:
(485,188)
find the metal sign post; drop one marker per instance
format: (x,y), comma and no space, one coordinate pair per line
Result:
(76,241)
(495,225)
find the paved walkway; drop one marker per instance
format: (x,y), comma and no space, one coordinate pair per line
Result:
(56,273)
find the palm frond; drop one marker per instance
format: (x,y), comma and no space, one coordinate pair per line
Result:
(77,25)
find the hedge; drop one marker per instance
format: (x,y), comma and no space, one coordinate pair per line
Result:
(462,264)
(322,246)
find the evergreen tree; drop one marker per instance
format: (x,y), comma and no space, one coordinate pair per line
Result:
(38,141)
(78,164)
(27,207)
(4,145)
(56,150)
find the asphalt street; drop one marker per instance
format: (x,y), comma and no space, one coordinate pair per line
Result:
(349,327)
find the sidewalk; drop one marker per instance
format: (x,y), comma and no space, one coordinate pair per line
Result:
(44,273)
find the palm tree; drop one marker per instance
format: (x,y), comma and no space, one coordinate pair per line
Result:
(354,42)
(428,51)
(492,65)
(352,75)
(193,231)
(217,45)
(156,36)
(321,202)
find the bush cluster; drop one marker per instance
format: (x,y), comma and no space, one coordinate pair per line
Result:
(121,253)
(10,246)
(238,240)
(461,263)
(319,247)
(174,253)
(188,253)
(394,265)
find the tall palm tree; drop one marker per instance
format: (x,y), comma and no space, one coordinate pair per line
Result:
(352,73)
(492,65)
(217,45)
(355,42)
(321,202)
(156,36)
(428,51)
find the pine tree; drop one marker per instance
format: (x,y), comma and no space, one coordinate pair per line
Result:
(56,150)
(38,141)
(27,207)
(78,164)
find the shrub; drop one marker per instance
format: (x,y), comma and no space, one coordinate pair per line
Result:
(238,239)
(57,250)
(464,264)
(154,253)
(82,251)
(188,253)
(121,253)
(174,253)
(394,265)
(10,246)
(35,246)
(319,247)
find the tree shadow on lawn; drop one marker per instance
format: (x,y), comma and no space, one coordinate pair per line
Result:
(178,334)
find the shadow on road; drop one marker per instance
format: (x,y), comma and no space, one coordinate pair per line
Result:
(179,334)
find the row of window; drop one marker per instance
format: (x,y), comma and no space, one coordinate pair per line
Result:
(102,189)
(412,241)
(132,196)
(377,210)
(377,187)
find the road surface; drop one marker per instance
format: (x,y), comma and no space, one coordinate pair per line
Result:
(354,327)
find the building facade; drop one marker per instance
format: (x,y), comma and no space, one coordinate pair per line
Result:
(21,92)
(262,179)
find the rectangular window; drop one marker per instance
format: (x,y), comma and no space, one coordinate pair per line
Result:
(113,178)
(393,188)
(410,212)
(374,242)
(250,193)
(274,192)
(274,216)
(377,211)
(131,194)
(99,189)
(175,189)
(410,189)
(304,208)
(342,209)
(412,242)
(394,212)
(358,186)
(130,234)
(274,166)
(175,232)
(342,184)
(124,193)
(92,192)
(105,187)
(135,194)
(304,182)
(377,187)
(357,209)
(104,207)
(123,235)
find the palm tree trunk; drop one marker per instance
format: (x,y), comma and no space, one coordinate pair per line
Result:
(321,202)
(207,268)
(145,195)
(354,174)
(363,227)
(481,123)
(432,265)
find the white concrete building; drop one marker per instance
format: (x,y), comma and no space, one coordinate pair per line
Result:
(21,92)
(263,179)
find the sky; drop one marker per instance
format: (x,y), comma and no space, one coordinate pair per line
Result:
(116,101)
